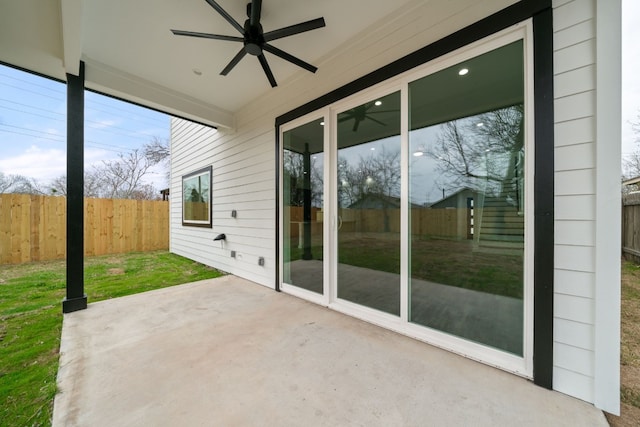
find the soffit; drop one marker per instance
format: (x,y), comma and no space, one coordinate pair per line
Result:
(129,51)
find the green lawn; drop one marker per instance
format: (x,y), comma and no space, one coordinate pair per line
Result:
(450,262)
(31,320)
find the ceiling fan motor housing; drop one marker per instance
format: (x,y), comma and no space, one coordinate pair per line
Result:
(253,38)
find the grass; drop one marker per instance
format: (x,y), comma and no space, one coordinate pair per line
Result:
(31,320)
(629,348)
(454,263)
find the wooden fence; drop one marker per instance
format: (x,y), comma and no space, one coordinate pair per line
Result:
(631,226)
(444,223)
(33,228)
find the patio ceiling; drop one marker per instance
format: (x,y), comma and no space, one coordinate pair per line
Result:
(130,53)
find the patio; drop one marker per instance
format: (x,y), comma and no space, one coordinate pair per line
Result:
(229,352)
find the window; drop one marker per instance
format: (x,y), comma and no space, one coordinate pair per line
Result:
(467,126)
(427,194)
(196,198)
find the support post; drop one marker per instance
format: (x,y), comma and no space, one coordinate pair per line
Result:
(75,298)
(306,203)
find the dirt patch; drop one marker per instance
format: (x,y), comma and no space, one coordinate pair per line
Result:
(115,271)
(629,349)
(629,416)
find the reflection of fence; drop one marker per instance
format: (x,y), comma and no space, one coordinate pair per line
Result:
(33,228)
(196,211)
(424,221)
(631,226)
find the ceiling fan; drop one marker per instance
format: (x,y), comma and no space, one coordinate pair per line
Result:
(362,113)
(255,40)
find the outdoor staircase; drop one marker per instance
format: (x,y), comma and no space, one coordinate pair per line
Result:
(501,226)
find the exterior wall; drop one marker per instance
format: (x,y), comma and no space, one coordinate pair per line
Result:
(243,179)
(243,159)
(576,351)
(244,173)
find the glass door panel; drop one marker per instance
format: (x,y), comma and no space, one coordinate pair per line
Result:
(368,204)
(466,185)
(303,214)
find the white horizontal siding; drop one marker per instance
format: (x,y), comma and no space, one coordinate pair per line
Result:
(576,283)
(573,383)
(575,197)
(243,179)
(575,131)
(244,162)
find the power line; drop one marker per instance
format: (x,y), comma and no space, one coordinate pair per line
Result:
(103,128)
(51,137)
(34,84)
(26,134)
(88,103)
(30,106)
(30,91)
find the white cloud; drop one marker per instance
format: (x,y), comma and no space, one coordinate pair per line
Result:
(45,164)
(35,162)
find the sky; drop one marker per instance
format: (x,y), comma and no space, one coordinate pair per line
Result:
(33,127)
(630,80)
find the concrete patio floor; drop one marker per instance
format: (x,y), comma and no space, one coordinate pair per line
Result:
(229,352)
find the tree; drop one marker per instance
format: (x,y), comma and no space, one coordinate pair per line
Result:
(483,152)
(157,151)
(20,184)
(631,162)
(377,174)
(121,178)
(294,172)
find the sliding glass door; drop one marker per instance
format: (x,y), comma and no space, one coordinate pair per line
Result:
(368,204)
(409,205)
(467,199)
(302,210)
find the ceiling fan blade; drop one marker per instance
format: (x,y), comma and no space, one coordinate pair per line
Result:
(284,55)
(226,16)
(375,120)
(256,8)
(207,35)
(356,123)
(383,112)
(233,62)
(267,70)
(294,29)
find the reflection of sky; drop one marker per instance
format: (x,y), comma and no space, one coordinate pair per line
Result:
(426,182)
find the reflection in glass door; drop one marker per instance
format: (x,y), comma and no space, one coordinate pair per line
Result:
(303,215)
(467,199)
(368,204)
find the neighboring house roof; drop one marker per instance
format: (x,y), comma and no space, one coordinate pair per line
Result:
(631,181)
(378,201)
(445,202)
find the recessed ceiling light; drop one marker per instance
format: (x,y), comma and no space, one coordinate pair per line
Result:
(463,71)
(197,72)
(377,103)
(321,123)
(418,154)
(480,124)
(373,148)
